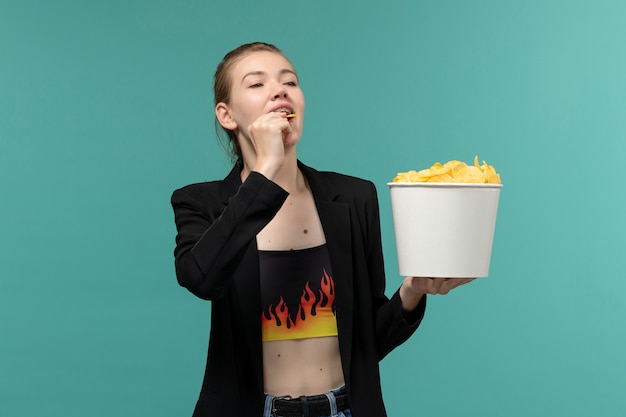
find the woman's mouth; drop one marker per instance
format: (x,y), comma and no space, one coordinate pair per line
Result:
(288,112)
(285,110)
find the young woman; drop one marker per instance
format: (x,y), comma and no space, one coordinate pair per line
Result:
(291,259)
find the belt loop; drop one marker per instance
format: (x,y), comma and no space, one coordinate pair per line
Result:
(304,402)
(269,405)
(333,403)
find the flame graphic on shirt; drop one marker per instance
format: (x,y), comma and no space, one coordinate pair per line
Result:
(315,315)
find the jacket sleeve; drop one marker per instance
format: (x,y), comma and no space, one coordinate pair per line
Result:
(212,237)
(393,327)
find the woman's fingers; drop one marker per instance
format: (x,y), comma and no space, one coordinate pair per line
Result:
(269,130)
(435,286)
(267,135)
(269,127)
(448,284)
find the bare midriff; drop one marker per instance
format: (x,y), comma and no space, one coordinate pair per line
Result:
(307,366)
(302,367)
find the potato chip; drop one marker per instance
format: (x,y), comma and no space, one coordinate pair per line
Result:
(454,172)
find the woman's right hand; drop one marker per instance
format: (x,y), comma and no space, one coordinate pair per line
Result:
(269,134)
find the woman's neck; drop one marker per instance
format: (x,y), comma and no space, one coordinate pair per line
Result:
(288,176)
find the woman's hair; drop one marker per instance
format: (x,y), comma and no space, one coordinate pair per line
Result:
(222,82)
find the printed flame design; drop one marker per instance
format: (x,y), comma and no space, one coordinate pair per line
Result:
(315,316)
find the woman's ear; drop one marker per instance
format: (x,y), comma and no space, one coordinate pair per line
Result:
(222,112)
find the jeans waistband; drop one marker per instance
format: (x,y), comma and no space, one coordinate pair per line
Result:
(326,404)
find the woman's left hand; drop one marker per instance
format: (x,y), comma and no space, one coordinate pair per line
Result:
(414,288)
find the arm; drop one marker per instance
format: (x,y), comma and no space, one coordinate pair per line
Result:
(395,321)
(212,238)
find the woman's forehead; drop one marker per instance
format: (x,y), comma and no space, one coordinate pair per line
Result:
(261,62)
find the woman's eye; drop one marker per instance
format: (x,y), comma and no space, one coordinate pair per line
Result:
(256,85)
(291,83)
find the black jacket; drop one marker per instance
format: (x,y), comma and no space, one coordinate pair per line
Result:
(216,259)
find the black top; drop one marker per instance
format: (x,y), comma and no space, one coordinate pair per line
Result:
(297,294)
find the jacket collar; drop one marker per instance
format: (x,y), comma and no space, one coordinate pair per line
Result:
(231,183)
(322,188)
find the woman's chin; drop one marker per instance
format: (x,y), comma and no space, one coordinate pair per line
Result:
(290,140)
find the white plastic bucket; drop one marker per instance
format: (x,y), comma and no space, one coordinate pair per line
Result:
(444,230)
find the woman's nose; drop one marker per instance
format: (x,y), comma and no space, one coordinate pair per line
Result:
(279,91)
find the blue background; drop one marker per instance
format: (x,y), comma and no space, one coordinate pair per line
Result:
(106,108)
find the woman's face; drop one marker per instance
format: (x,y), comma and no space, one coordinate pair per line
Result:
(263,82)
